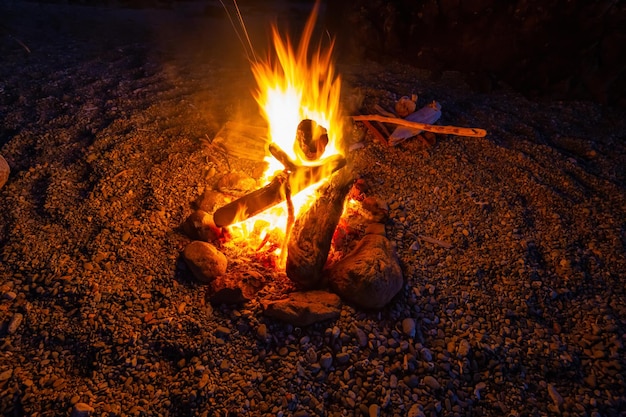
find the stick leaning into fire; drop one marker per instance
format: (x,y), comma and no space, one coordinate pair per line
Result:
(293,179)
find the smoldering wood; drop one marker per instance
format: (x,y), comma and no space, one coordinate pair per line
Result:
(311,140)
(252,203)
(274,193)
(310,239)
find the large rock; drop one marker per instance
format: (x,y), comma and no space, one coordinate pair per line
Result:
(305,308)
(199,225)
(205,261)
(369,276)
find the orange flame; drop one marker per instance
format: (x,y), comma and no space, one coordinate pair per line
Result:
(293,86)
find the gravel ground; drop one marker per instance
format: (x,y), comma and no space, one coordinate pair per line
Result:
(520,311)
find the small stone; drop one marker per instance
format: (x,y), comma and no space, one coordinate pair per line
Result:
(415,411)
(326,360)
(431,382)
(463,349)
(343,358)
(203,381)
(311,355)
(555,396)
(210,200)
(221,330)
(374,410)
(229,289)
(261,331)
(361,337)
(5,171)
(411,381)
(478,389)
(200,226)
(15,323)
(408,326)
(405,106)
(426,354)
(9,295)
(376,210)
(205,261)
(6,375)
(393,381)
(82,410)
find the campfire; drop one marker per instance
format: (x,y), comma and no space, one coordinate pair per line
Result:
(292,216)
(299,95)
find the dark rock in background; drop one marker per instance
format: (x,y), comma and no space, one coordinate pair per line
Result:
(556,48)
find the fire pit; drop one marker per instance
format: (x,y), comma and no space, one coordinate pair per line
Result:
(293,215)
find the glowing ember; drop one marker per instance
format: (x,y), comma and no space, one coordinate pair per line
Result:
(293,85)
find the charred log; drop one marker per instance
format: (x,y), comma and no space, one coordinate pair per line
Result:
(311,140)
(312,232)
(297,178)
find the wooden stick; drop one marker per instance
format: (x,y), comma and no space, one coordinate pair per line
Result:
(450,130)
(383,111)
(375,132)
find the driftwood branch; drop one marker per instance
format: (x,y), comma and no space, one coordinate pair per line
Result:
(449,130)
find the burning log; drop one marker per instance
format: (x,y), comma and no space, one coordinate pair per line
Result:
(312,232)
(311,140)
(296,177)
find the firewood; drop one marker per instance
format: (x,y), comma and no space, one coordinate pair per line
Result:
(379,136)
(309,242)
(275,192)
(449,130)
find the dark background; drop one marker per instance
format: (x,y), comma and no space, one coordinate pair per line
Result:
(561,49)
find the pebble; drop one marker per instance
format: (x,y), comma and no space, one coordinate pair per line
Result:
(415,411)
(82,410)
(374,410)
(4,375)
(221,330)
(478,389)
(408,327)
(361,337)
(15,323)
(431,382)
(9,295)
(555,396)
(261,331)
(463,349)
(326,360)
